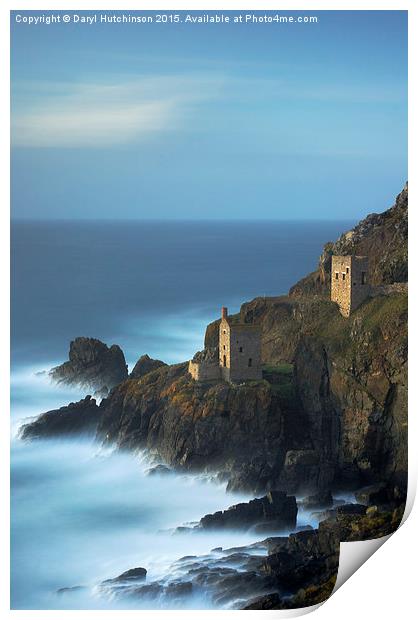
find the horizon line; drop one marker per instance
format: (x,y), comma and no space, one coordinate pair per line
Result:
(178,220)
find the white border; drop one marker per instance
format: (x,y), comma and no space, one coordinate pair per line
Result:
(394,566)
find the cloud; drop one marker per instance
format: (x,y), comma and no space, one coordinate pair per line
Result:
(118,112)
(105,114)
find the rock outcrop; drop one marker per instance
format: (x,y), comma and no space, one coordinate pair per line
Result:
(275,511)
(298,570)
(92,365)
(73,419)
(197,426)
(129,576)
(304,566)
(144,365)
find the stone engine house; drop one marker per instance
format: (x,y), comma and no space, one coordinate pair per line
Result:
(236,359)
(349,282)
(239,350)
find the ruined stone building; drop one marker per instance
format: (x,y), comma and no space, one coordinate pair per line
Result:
(239,350)
(205,365)
(237,357)
(349,282)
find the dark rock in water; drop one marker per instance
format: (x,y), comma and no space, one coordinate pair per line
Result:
(322,499)
(299,570)
(151,591)
(271,526)
(239,585)
(178,589)
(182,529)
(75,418)
(276,544)
(92,364)
(133,574)
(321,515)
(276,509)
(266,527)
(304,557)
(144,365)
(304,528)
(159,470)
(282,565)
(268,601)
(71,589)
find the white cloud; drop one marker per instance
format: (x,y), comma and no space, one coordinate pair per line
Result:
(99,115)
(130,110)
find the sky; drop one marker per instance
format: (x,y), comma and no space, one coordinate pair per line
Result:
(209,121)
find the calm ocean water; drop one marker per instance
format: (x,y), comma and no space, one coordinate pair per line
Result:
(79,514)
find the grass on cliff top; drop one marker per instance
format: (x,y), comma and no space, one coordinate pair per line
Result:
(381,310)
(373,315)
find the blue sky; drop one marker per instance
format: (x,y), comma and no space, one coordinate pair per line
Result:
(252,121)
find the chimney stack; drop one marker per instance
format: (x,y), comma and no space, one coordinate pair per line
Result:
(224,312)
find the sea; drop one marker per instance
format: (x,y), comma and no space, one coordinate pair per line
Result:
(81,513)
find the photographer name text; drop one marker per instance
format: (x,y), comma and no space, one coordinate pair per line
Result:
(91,19)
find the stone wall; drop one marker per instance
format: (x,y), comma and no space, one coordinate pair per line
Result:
(204,371)
(224,349)
(360,287)
(349,282)
(239,351)
(340,283)
(245,353)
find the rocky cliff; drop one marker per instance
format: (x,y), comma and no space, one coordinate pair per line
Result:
(331,408)
(350,374)
(144,365)
(92,365)
(199,425)
(73,419)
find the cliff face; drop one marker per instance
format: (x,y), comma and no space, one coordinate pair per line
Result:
(198,425)
(351,374)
